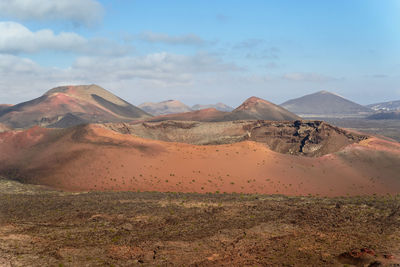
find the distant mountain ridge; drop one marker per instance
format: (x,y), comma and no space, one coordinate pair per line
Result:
(165,107)
(219,106)
(89,103)
(253,108)
(388,106)
(324,103)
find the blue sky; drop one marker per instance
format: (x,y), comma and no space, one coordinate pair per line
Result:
(202,51)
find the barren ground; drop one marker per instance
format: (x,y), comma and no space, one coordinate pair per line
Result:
(92,157)
(40,227)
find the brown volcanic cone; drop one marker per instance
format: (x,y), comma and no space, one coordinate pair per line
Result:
(91,157)
(256,108)
(88,102)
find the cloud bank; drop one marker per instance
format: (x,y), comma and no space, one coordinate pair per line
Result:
(16,38)
(79,12)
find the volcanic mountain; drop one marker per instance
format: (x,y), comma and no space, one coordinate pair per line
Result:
(387,106)
(165,107)
(324,103)
(255,108)
(89,103)
(219,106)
(113,157)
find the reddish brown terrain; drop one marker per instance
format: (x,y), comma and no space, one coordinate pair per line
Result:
(318,195)
(94,157)
(71,105)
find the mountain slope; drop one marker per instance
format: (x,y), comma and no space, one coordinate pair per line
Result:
(4,106)
(219,106)
(324,103)
(165,107)
(68,120)
(388,106)
(256,108)
(88,102)
(4,128)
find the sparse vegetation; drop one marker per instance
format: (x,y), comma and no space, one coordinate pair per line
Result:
(128,228)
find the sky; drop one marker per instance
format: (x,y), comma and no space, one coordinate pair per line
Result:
(202,52)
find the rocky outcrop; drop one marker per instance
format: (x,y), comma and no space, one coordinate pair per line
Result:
(309,138)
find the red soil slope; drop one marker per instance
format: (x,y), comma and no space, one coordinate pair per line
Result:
(94,158)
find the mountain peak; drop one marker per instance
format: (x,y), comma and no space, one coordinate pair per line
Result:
(324,92)
(323,103)
(251,102)
(73,88)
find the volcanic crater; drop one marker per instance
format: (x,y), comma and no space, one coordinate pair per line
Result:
(305,138)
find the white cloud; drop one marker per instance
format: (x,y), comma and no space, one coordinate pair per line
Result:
(187,39)
(16,38)
(307,77)
(163,67)
(15,65)
(80,12)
